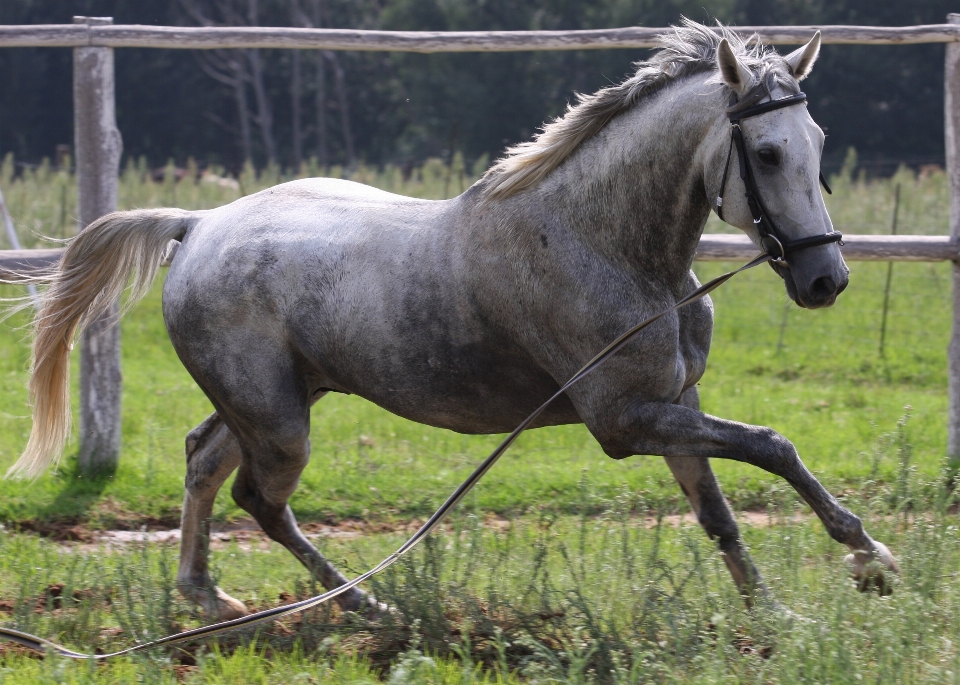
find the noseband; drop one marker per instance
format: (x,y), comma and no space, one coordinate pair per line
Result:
(771,237)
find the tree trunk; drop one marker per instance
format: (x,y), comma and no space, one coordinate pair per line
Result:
(341,83)
(243,111)
(295,89)
(264,111)
(320,103)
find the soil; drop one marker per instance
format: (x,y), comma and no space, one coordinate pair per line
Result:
(247,533)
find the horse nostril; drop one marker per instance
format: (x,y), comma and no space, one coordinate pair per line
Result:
(823,289)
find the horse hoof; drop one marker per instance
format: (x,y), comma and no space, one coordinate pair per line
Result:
(230,608)
(366,605)
(216,604)
(873,570)
(377,610)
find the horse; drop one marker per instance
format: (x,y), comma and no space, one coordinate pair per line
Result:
(466,313)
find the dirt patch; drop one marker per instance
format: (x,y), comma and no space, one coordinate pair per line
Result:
(247,534)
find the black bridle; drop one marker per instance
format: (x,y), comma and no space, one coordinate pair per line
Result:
(771,237)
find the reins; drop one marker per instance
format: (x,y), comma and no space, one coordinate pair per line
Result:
(775,251)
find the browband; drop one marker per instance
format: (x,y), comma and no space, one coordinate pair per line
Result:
(767,107)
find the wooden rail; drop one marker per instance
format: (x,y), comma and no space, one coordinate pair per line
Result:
(857,248)
(15,264)
(206,38)
(714,247)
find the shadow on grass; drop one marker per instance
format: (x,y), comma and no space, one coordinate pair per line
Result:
(80,494)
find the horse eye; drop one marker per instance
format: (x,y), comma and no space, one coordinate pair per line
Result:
(768,156)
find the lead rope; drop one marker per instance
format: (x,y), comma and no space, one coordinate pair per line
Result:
(40,644)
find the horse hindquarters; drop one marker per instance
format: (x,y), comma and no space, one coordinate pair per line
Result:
(239,358)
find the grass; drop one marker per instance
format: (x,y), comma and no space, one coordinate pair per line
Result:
(817,377)
(624,597)
(580,587)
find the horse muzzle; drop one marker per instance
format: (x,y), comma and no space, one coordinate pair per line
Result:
(820,290)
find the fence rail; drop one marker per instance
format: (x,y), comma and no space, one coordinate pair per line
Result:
(716,247)
(213,37)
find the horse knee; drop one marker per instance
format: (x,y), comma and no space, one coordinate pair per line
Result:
(718,525)
(782,448)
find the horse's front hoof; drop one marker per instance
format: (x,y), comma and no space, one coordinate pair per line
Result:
(873,570)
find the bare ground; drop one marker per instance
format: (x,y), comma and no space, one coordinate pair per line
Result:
(246,532)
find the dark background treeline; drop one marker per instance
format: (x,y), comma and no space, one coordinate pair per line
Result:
(224,106)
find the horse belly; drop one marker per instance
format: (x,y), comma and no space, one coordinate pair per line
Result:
(465,388)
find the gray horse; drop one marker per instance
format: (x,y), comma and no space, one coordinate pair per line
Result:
(466,314)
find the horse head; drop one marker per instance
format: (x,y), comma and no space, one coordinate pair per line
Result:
(775,190)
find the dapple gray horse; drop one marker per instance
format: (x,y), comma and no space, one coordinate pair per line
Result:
(467,313)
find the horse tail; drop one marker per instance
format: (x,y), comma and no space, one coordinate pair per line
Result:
(91,275)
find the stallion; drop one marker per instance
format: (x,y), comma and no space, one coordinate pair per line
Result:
(467,313)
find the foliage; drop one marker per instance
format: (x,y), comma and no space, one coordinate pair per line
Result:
(405,108)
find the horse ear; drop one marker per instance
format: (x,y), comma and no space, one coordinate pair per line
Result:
(732,70)
(801,60)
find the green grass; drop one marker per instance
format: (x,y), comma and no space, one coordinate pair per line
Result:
(816,376)
(617,598)
(600,597)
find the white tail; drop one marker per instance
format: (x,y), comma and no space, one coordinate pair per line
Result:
(91,275)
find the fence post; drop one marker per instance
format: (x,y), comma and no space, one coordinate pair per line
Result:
(98,147)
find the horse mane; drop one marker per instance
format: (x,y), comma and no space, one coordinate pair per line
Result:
(688,49)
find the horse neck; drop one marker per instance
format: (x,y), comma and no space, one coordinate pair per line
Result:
(635,191)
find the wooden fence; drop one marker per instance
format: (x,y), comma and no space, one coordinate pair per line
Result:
(98,147)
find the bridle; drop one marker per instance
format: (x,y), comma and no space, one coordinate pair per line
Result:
(775,251)
(771,237)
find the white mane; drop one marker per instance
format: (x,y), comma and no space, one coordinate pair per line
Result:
(688,49)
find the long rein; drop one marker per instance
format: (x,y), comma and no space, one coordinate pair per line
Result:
(775,247)
(40,644)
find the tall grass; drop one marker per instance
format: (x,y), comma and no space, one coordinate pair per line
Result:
(624,597)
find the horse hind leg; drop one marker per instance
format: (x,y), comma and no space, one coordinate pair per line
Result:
(212,455)
(278,522)
(699,484)
(275,452)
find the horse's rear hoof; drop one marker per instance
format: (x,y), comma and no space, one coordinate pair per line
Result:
(873,570)
(364,604)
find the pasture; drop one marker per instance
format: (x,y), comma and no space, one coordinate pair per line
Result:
(593,574)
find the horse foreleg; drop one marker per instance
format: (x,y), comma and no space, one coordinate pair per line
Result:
(676,431)
(700,486)
(212,455)
(702,490)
